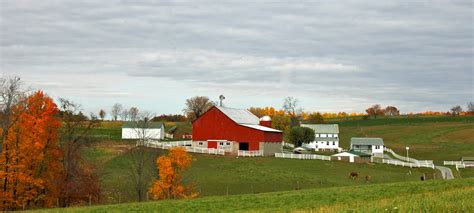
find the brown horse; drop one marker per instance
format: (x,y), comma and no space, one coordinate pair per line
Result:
(367,178)
(354,175)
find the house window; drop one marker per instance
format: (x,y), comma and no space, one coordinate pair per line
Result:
(221,143)
(356,146)
(335,135)
(327,143)
(334,143)
(329,135)
(377,147)
(323,135)
(317,135)
(228,143)
(200,143)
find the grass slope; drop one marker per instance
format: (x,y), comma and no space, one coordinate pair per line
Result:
(429,196)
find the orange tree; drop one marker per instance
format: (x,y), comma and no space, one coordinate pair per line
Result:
(170,183)
(29,166)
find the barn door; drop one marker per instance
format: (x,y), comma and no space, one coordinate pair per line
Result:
(212,144)
(243,146)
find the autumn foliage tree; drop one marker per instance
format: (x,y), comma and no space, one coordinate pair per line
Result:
(170,184)
(30,169)
(375,110)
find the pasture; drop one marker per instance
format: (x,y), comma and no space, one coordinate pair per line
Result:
(428,196)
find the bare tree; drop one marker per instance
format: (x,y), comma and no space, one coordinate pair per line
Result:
(470,108)
(196,106)
(124,115)
(133,113)
(79,182)
(10,94)
(456,110)
(290,105)
(102,114)
(140,167)
(391,111)
(375,110)
(116,110)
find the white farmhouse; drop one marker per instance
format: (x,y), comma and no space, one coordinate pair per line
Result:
(372,146)
(326,137)
(138,130)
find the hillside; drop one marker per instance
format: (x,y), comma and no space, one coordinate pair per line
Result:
(428,196)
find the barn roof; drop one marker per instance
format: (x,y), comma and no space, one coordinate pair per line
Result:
(240,116)
(259,127)
(367,141)
(149,125)
(323,128)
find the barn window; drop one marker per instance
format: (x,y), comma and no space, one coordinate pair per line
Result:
(221,143)
(200,143)
(228,143)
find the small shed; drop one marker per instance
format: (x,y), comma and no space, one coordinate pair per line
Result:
(143,130)
(352,156)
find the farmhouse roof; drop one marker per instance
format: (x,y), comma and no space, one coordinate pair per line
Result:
(138,124)
(323,128)
(367,141)
(240,116)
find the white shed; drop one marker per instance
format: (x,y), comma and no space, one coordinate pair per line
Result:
(139,130)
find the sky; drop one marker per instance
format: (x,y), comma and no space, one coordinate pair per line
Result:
(331,55)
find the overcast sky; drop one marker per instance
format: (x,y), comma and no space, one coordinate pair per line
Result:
(341,56)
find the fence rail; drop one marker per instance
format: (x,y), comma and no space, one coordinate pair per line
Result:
(451,162)
(408,159)
(302,156)
(185,144)
(406,164)
(245,153)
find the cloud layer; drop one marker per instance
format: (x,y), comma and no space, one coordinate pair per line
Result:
(332,56)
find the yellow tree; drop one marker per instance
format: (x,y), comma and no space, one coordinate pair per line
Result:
(170,183)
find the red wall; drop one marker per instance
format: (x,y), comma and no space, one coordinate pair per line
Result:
(215,125)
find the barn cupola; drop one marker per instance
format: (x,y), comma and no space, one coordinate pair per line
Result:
(266,121)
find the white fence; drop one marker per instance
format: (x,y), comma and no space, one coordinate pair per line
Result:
(302,156)
(404,158)
(186,145)
(245,153)
(458,164)
(411,165)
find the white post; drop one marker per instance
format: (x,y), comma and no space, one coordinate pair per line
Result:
(407,148)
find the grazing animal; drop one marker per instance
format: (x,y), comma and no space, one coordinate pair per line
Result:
(367,178)
(354,175)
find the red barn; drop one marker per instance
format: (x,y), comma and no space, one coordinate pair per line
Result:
(235,129)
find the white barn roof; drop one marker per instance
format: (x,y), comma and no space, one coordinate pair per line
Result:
(323,128)
(259,127)
(240,116)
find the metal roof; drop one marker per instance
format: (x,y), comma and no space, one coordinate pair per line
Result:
(323,128)
(240,116)
(259,127)
(138,124)
(367,141)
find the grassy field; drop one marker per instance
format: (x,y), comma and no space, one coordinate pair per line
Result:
(428,196)
(223,175)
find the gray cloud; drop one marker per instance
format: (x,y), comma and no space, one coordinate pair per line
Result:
(415,54)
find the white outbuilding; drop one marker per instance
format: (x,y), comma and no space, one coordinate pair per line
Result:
(139,130)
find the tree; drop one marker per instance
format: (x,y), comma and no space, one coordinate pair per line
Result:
(102,114)
(470,108)
(315,118)
(196,106)
(375,110)
(290,105)
(116,110)
(79,180)
(133,113)
(30,169)
(456,110)
(170,169)
(124,115)
(391,111)
(140,155)
(300,135)
(10,94)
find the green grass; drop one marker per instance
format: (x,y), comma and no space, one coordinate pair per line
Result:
(428,196)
